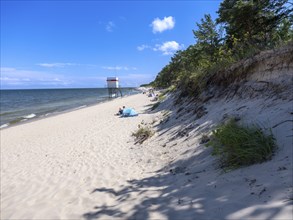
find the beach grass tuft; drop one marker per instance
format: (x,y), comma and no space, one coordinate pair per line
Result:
(240,146)
(142,134)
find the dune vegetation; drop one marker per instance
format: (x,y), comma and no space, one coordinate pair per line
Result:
(242,30)
(226,49)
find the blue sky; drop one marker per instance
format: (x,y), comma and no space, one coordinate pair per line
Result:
(77,44)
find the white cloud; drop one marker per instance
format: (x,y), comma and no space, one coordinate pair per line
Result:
(26,78)
(112,67)
(168,48)
(143,47)
(118,68)
(7,69)
(167,23)
(18,78)
(110,26)
(56,64)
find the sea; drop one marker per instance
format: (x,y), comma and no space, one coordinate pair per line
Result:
(18,106)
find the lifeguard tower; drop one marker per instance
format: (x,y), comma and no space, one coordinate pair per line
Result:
(113,87)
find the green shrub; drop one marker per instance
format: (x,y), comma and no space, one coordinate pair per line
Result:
(240,146)
(161,97)
(142,134)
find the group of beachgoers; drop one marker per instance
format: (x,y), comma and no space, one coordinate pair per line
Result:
(152,95)
(129,112)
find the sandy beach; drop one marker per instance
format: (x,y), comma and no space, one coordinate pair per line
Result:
(85,164)
(207,132)
(50,167)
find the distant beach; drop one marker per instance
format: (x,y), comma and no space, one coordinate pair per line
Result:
(19,106)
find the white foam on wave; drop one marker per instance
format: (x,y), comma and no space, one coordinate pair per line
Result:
(4,126)
(29,116)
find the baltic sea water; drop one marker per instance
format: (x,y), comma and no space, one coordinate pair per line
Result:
(17,106)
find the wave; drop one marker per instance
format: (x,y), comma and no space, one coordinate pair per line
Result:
(4,126)
(29,116)
(5,113)
(17,120)
(8,113)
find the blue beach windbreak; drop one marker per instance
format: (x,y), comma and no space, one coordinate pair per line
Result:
(129,112)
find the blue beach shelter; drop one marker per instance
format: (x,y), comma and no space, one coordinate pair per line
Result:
(129,112)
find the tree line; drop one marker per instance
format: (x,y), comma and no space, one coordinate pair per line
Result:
(242,29)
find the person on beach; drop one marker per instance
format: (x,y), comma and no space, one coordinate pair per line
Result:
(120,111)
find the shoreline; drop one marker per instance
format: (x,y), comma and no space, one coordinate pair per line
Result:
(52,114)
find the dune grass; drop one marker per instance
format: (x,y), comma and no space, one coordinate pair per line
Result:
(240,146)
(142,134)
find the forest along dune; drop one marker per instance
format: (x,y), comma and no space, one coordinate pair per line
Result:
(86,165)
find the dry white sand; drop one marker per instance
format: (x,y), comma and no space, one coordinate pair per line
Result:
(50,167)
(84,165)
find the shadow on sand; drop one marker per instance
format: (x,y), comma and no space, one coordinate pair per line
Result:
(184,189)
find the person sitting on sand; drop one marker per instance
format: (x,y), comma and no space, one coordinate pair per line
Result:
(120,111)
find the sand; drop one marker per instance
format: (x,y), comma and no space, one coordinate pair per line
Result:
(50,167)
(84,164)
